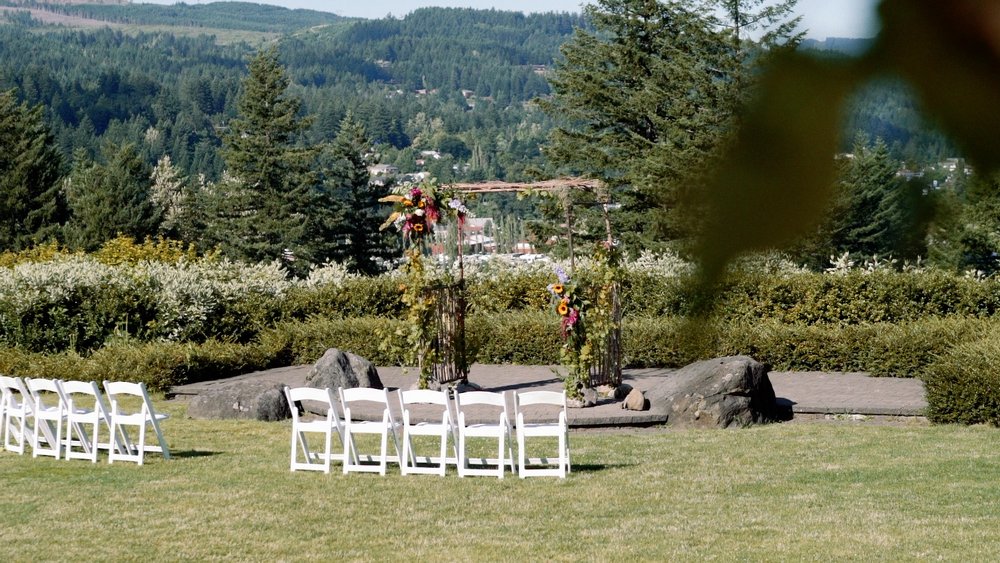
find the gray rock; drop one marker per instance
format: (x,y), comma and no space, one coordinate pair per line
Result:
(241,400)
(622,391)
(589,399)
(723,392)
(343,369)
(635,401)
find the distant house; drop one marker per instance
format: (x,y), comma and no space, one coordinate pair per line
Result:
(382,174)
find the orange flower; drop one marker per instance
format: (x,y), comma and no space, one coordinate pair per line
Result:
(407,203)
(421,204)
(418,227)
(563,307)
(557,288)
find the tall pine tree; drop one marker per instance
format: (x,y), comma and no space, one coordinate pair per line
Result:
(31,207)
(107,200)
(640,104)
(262,209)
(366,248)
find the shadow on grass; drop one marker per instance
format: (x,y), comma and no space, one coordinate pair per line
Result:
(596,467)
(193,453)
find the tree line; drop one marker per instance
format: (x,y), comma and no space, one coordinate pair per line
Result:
(154,134)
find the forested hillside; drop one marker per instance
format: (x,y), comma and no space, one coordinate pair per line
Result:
(447,92)
(453,81)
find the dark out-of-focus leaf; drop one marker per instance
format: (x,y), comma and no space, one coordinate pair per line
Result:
(776,183)
(950,52)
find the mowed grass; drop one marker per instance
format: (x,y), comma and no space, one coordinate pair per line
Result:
(779,492)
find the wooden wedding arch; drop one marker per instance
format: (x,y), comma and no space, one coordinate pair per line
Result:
(451,302)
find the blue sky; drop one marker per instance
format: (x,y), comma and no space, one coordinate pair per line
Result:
(821,18)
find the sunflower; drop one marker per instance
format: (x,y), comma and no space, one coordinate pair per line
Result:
(563,307)
(558,288)
(407,203)
(418,227)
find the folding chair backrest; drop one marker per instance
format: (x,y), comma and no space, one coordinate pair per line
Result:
(525,398)
(481,398)
(322,397)
(361,394)
(147,415)
(423,396)
(16,392)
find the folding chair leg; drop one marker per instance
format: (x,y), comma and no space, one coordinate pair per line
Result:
(500,458)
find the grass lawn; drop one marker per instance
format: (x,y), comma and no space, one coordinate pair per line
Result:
(781,492)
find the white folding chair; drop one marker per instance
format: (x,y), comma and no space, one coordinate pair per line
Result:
(328,426)
(534,426)
(146,416)
(16,411)
(426,400)
(472,426)
(384,425)
(49,412)
(85,406)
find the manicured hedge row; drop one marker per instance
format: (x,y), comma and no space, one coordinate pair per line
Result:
(963,386)
(79,304)
(525,338)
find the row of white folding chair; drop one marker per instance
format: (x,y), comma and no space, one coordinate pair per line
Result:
(48,404)
(332,423)
(460,427)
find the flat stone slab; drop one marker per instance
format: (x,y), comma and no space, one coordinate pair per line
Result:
(805,392)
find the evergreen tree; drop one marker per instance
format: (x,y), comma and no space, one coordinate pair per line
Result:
(31,207)
(366,247)
(263,215)
(639,104)
(108,200)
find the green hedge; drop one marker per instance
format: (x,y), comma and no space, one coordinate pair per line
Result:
(79,304)
(963,386)
(886,349)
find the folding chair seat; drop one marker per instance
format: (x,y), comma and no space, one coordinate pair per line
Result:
(426,401)
(542,424)
(84,407)
(354,401)
(327,426)
(121,419)
(49,413)
(471,425)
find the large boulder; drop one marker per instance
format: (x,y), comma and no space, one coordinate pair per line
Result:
(343,369)
(253,400)
(723,392)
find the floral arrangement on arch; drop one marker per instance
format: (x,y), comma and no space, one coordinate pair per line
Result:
(575,353)
(417,209)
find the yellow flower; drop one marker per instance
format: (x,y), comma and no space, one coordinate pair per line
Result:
(407,203)
(563,307)
(421,204)
(419,227)
(558,289)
